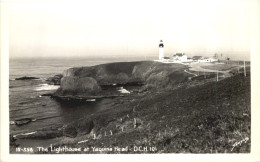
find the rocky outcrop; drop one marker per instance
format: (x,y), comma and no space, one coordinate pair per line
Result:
(81,127)
(26,78)
(55,80)
(23,121)
(86,81)
(85,86)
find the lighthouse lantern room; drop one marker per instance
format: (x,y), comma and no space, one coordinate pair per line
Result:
(161,52)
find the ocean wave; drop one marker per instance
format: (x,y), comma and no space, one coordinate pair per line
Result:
(122,90)
(24,134)
(46,87)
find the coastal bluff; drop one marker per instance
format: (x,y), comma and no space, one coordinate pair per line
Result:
(90,81)
(179,113)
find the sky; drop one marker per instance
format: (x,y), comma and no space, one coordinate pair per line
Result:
(43,28)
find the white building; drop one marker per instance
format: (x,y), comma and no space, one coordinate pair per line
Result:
(161,50)
(189,59)
(207,59)
(166,59)
(204,59)
(213,59)
(179,57)
(197,58)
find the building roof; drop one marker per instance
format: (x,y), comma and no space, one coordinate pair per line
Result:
(179,54)
(161,44)
(197,57)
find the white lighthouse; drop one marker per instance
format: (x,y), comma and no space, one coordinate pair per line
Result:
(161,50)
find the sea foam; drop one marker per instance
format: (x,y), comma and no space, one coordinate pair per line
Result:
(46,87)
(122,90)
(24,134)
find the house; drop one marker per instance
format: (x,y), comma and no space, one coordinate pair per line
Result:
(207,59)
(204,59)
(196,58)
(213,59)
(166,59)
(189,59)
(180,57)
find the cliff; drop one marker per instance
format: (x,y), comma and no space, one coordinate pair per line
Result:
(88,81)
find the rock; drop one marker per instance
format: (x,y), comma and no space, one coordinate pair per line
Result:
(70,131)
(23,121)
(81,127)
(26,78)
(79,86)
(47,94)
(55,80)
(85,127)
(11,138)
(12,141)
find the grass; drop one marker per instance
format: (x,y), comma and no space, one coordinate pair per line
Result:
(209,118)
(196,115)
(220,67)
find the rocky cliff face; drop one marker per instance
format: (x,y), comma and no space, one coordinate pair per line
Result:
(88,80)
(71,85)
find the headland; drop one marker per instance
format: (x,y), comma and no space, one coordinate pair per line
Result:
(169,108)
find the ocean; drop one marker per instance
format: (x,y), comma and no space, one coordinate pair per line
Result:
(25,96)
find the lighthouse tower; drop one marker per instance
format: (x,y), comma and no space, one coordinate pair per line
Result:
(161,52)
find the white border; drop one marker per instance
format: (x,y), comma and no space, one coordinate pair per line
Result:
(253,156)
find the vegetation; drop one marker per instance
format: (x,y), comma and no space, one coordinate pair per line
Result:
(174,112)
(209,118)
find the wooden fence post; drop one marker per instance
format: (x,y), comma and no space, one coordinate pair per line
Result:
(134,123)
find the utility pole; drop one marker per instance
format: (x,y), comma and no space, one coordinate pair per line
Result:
(245,68)
(217,76)
(238,67)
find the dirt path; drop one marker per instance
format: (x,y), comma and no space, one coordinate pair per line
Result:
(198,67)
(190,73)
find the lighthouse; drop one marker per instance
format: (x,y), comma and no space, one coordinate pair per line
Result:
(161,52)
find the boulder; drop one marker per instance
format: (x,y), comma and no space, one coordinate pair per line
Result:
(23,121)
(55,80)
(79,86)
(85,126)
(81,127)
(70,132)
